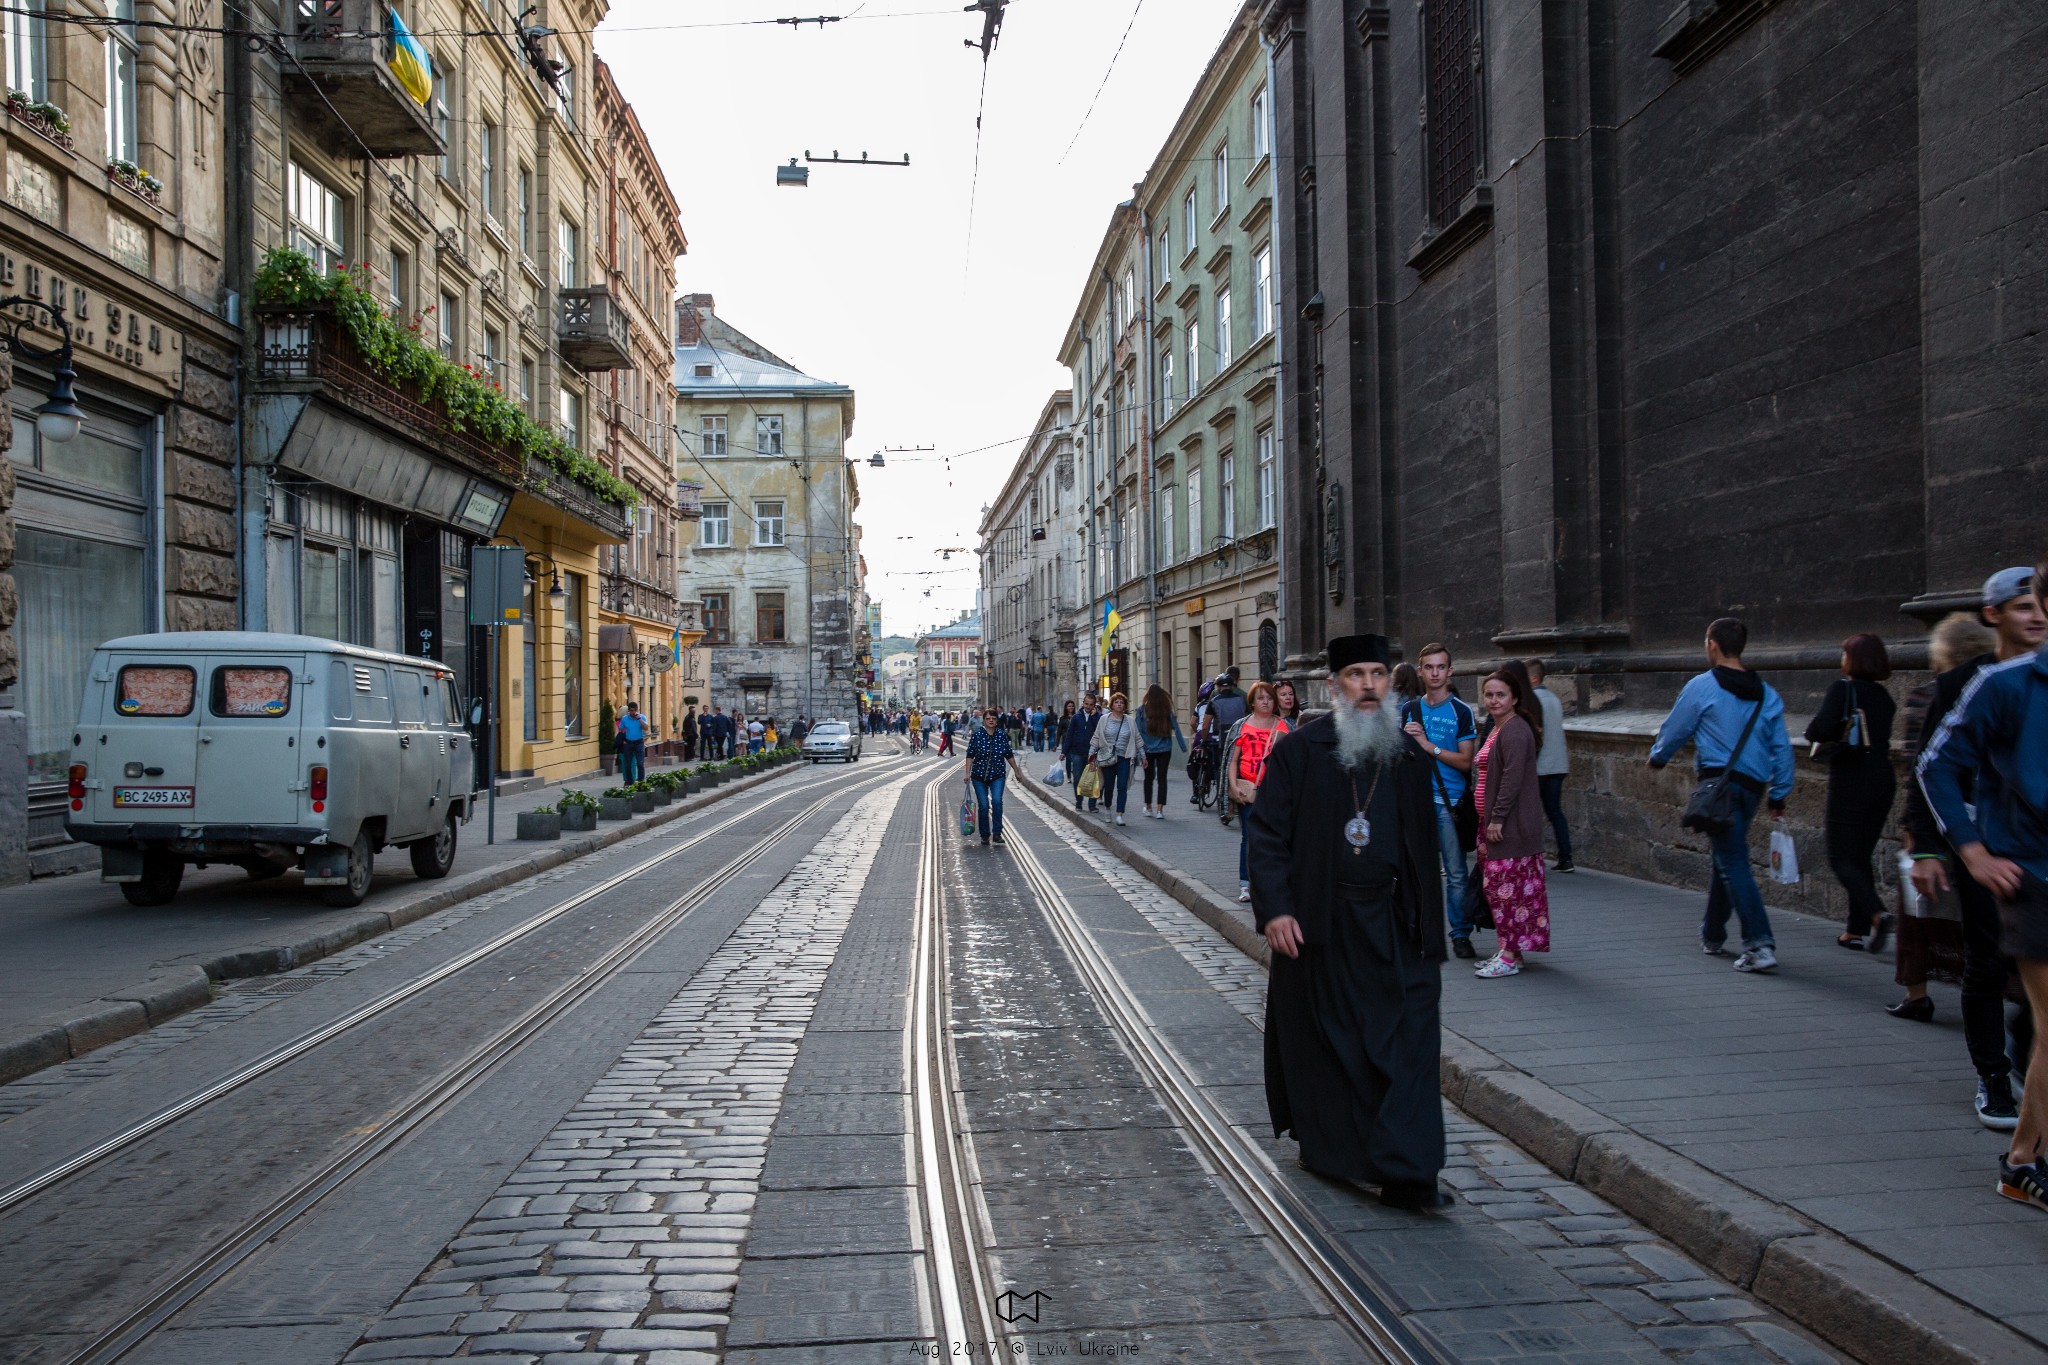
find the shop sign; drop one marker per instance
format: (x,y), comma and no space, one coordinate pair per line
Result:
(101,327)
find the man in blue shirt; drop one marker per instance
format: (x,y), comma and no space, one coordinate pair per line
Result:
(1712,712)
(1445,727)
(632,730)
(1986,777)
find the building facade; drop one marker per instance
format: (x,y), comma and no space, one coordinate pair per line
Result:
(116,229)
(645,626)
(775,563)
(1033,615)
(949,668)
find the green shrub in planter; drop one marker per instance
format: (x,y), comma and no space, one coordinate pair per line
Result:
(540,825)
(693,783)
(579,812)
(642,797)
(611,807)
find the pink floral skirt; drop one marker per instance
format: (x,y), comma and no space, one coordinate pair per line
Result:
(1520,901)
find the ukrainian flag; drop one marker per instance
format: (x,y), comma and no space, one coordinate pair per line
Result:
(410,62)
(1111,619)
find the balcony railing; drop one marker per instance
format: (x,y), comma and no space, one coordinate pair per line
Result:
(689,500)
(592,330)
(341,80)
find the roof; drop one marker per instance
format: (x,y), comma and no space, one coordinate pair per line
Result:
(970,629)
(735,371)
(260,642)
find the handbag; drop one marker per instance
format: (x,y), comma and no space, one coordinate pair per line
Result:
(1855,735)
(968,821)
(1712,807)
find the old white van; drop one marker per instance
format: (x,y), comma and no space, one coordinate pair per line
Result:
(269,752)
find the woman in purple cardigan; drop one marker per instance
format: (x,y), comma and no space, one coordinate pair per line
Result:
(1511,825)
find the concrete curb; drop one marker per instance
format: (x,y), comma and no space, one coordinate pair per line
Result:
(173,990)
(1855,1301)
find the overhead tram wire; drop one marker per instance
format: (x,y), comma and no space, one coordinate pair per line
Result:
(1105,80)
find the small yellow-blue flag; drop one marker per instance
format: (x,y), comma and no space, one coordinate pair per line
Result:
(1111,619)
(410,62)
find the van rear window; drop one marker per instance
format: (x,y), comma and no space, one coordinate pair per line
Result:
(155,690)
(252,692)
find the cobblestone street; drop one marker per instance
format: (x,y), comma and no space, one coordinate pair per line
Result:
(711,1151)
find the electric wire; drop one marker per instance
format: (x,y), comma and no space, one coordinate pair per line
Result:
(1105,80)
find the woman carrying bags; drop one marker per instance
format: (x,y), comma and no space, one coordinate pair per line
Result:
(1511,823)
(1162,732)
(1244,766)
(1854,724)
(1116,747)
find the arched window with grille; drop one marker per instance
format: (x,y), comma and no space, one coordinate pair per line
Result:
(1269,651)
(1454,109)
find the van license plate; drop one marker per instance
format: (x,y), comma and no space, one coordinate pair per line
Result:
(152,796)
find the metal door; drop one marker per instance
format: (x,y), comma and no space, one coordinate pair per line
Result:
(141,739)
(250,768)
(422,758)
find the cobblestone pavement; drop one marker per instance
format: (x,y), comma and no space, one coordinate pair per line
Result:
(621,1234)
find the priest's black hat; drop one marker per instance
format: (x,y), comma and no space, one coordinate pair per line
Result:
(1347,650)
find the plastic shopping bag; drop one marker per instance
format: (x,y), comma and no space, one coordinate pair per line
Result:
(1784,858)
(1056,774)
(1090,785)
(967,819)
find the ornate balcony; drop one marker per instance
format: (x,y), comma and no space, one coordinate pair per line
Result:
(341,82)
(592,330)
(689,500)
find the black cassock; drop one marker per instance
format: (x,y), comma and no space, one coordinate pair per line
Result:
(1353,1038)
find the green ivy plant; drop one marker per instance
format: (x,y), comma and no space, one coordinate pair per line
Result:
(401,353)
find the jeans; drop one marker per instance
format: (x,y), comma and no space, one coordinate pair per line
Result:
(1157,765)
(1734,886)
(1455,873)
(1117,782)
(988,807)
(1550,786)
(632,761)
(1076,765)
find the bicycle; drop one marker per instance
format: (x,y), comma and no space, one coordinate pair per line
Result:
(1205,764)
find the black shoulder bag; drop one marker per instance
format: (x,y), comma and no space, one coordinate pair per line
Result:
(1711,808)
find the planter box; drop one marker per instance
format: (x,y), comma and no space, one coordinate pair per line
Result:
(692,785)
(662,796)
(539,825)
(609,763)
(643,803)
(614,808)
(578,820)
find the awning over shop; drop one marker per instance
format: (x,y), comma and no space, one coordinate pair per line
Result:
(323,442)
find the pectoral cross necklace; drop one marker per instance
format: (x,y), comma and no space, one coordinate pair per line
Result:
(1358,829)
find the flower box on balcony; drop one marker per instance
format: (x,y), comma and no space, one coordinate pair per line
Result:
(136,181)
(42,118)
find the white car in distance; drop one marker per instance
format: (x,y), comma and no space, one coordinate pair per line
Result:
(832,739)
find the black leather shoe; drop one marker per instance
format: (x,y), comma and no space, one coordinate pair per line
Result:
(1920,1011)
(1462,947)
(1414,1196)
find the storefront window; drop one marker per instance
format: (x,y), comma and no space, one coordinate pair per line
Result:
(572,656)
(75,595)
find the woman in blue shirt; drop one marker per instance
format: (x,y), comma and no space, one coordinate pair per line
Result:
(1161,731)
(988,751)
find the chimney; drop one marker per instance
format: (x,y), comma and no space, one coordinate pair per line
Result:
(691,309)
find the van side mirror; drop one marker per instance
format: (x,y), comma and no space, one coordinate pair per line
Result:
(476,712)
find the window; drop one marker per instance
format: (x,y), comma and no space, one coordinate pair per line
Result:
(565,88)
(565,254)
(27,69)
(1194,357)
(494,355)
(398,282)
(1265,473)
(768,527)
(526,386)
(717,614)
(1194,510)
(1224,330)
(444,117)
(1187,222)
(572,417)
(1166,254)
(1262,292)
(1168,548)
(448,324)
(713,439)
(155,690)
(1222,178)
(122,90)
(767,435)
(771,619)
(1166,383)
(250,693)
(1127,300)
(1449,30)
(526,212)
(1226,496)
(714,532)
(572,657)
(487,158)
(1262,126)
(316,218)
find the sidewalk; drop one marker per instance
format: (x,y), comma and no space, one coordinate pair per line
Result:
(1781,1128)
(85,968)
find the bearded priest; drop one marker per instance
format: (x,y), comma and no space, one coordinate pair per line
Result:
(1344,880)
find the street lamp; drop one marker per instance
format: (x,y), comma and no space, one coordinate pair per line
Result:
(59,419)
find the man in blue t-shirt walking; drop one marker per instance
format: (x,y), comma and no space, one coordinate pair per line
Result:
(1445,728)
(632,745)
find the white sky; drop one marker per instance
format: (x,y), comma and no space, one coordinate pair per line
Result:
(865,277)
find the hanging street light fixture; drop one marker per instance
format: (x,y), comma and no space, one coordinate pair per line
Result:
(59,419)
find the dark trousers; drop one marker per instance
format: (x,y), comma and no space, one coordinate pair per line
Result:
(1859,807)
(1157,766)
(1985,968)
(632,761)
(690,749)
(1550,786)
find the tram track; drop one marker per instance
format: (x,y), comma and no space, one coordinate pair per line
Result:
(1298,1234)
(225,1252)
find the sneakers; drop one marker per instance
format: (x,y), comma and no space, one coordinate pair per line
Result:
(1996,1107)
(999,838)
(1462,947)
(1756,960)
(1500,964)
(1714,949)
(1564,865)
(2025,1184)
(1244,892)
(1119,819)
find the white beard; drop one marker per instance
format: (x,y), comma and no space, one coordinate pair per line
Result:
(1366,737)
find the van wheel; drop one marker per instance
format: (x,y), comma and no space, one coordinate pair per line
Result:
(161,874)
(431,858)
(360,859)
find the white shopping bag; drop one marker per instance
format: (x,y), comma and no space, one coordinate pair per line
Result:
(1056,774)
(1784,858)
